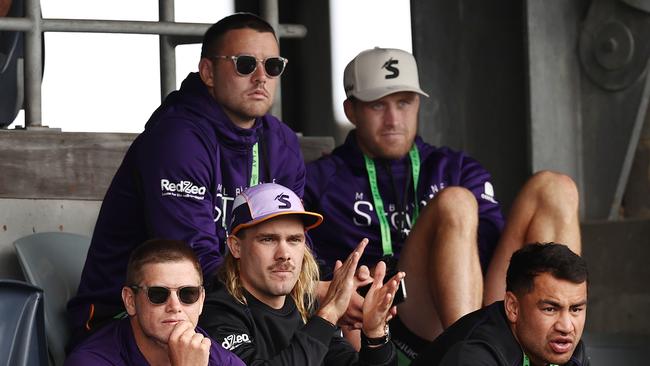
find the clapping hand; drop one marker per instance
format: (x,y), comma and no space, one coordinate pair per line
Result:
(377,306)
(343,286)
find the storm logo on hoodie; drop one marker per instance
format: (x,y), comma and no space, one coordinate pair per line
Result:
(183,188)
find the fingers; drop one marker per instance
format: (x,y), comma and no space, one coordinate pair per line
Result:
(393,284)
(362,246)
(187,347)
(363,277)
(206,343)
(338,264)
(179,329)
(380,272)
(353,258)
(363,273)
(348,268)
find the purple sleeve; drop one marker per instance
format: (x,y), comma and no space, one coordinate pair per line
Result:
(176,172)
(87,358)
(475,178)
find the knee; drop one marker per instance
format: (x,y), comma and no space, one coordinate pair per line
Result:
(456,205)
(556,190)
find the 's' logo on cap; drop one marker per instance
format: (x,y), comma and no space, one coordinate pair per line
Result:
(283,198)
(390,66)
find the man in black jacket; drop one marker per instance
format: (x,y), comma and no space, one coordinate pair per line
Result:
(539,323)
(262,305)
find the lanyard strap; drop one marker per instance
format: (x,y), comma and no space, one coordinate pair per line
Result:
(414,155)
(255,167)
(527,361)
(386,241)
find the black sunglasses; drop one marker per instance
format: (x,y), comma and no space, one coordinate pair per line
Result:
(247,64)
(158,295)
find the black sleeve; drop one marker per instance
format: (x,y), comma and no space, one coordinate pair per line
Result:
(342,353)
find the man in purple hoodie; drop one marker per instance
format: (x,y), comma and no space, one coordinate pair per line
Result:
(205,144)
(163,295)
(428,211)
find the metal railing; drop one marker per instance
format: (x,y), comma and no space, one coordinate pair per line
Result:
(171,35)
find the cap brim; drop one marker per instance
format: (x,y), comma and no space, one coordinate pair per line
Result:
(310,219)
(374,94)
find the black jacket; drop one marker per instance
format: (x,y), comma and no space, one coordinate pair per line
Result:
(483,338)
(261,335)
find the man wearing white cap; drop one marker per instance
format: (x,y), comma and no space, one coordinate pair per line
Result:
(384,179)
(262,306)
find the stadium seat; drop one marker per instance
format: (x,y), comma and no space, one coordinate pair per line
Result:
(54,261)
(22,332)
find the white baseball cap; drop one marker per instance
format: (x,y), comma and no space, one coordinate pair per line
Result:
(378,72)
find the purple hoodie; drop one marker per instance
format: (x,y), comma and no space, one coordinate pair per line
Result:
(177,181)
(115,345)
(338,188)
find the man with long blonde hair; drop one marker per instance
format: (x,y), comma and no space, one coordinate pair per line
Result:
(262,304)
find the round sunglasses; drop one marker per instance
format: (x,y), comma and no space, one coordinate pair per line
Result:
(247,64)
(159,295)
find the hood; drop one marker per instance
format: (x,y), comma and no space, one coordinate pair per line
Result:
(193,102)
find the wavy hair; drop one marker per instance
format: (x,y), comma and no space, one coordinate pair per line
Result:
(303,292)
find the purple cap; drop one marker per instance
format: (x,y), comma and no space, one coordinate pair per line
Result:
(266,201)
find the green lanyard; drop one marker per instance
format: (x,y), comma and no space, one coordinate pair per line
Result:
(386,242)
(255,167)
(527,361)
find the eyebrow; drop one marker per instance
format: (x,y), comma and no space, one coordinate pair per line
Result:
(277,236)
(267,235)
(557,305)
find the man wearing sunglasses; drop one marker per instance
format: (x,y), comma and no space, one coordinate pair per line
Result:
(163,296)
(429,211)
(205,144)
(262,306)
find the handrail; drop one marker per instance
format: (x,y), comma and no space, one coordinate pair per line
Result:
(171,34)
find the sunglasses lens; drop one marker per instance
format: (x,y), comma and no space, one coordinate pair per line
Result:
(246,64)
(158,295)
(189,295)
(274,66)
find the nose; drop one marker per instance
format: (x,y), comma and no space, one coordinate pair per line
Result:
(259,75)
(391,115)
(283,253)
(173,304)
(564,323)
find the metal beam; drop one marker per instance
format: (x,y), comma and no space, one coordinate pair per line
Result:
(167,51)
(33,65)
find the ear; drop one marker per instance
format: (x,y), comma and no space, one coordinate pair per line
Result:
(511,305)
(206,71)
(234,244)
(128,298)
(348,107)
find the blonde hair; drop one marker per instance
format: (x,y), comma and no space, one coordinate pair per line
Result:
(303,292)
